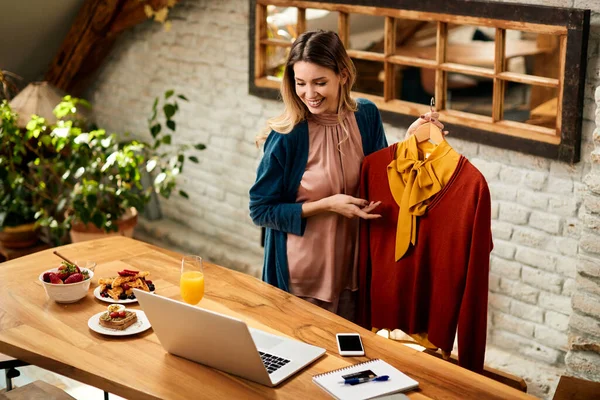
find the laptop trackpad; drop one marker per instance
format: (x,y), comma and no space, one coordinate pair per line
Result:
(264,341)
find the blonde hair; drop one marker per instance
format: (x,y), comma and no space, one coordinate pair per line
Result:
(319,47)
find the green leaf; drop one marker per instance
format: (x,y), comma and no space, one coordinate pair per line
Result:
(92,199)
(169,110)
(151,165)
(182,97)
(171,124)
(61,205)
(155,104)
(169,93)
(183,194)
(98,219)
(155,130)
(200,146)
(194,159)
(79,172)
(166,139)
(82,138)
(160,178)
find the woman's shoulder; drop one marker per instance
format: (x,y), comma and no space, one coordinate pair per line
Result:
(279,139)
(366,107)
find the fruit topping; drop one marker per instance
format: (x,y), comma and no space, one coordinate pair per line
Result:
(74,278)
(67,273)
(55,279)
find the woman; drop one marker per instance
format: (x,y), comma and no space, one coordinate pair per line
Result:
(307,182)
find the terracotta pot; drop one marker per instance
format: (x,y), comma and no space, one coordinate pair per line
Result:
(83,232)
(18,237)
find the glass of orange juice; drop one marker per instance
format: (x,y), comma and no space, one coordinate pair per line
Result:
(191,283)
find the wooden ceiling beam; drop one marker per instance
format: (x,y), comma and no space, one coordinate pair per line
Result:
(91,37)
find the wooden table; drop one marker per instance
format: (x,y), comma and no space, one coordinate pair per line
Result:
(56,337)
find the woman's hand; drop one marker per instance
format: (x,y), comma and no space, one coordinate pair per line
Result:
(348,206)
(428,117)
(351,207)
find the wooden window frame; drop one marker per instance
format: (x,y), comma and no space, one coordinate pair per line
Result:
(572,25)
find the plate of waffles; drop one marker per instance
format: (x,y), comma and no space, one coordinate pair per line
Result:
(129,322)
(119,289)
(97,294)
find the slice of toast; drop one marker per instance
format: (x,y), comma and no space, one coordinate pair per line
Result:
(118,323)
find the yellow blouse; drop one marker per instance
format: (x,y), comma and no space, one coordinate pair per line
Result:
(419,171)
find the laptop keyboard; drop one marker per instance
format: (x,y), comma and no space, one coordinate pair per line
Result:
(272,363)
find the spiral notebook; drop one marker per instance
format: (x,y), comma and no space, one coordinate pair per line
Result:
(333,382)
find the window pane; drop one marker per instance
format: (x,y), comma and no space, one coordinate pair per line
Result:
(471,45)
(321,19)
(369,77)
(275,60)
(533,53)
(413,84)
(416,38)
(518,105)
(366,32)
(281,23)
(472,94)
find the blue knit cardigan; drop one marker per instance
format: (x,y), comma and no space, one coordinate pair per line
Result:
(273,195)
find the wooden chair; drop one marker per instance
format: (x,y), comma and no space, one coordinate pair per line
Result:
(37,390)
(571,388)
(492,373)
(9,365)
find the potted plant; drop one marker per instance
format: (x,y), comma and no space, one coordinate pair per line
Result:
(17,228)
(100,177)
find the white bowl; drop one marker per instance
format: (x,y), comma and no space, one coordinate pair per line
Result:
(66,293)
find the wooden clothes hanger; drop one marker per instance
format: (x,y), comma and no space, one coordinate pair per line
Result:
(429,131)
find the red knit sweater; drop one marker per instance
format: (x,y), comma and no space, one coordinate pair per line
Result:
(442,281)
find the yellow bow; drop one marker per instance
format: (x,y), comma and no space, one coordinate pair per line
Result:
(413,181)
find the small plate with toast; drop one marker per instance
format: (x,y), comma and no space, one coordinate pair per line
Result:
(119,323)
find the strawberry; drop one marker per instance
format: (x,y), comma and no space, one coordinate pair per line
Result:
(55,279)
(46,276)
(74,278)
(114,314)
(122,314)
(127,273)
(63,275)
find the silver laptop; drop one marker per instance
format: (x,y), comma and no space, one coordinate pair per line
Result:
(223,342)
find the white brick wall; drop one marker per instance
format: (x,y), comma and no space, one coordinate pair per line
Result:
(536,203)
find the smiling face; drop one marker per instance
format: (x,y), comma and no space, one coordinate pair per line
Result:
(318,87)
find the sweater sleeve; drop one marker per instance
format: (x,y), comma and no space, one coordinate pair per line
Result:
(364,258)
(370,126)
(472,320)
(268,206)
(380,142)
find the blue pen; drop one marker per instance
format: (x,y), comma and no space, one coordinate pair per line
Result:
(354,381)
